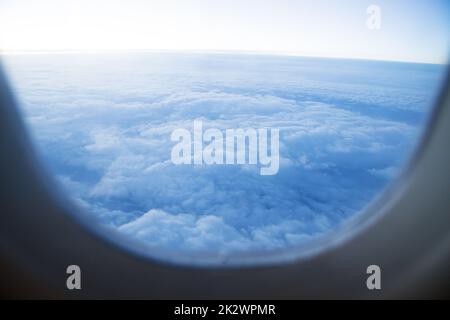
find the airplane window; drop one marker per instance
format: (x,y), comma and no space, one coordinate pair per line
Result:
(222,127)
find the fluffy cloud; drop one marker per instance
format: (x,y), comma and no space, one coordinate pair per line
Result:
(103,125)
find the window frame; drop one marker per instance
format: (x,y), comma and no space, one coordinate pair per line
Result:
(40,236)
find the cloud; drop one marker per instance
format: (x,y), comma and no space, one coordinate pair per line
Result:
(104,130)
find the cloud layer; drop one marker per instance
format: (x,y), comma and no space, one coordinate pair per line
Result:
(103,125)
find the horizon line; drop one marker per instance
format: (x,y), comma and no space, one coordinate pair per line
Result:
(209,51)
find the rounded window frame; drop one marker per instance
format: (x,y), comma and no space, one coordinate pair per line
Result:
(314,273)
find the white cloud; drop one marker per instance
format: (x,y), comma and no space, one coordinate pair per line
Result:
(106,133)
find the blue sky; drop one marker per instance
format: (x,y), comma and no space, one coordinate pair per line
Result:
(412,30)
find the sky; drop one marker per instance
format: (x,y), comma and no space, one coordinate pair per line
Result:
(411,30)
